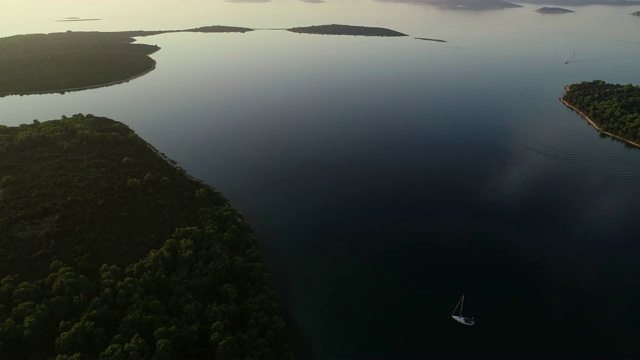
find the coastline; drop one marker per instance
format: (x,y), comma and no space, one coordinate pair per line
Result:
(592,123)
(299,343)
(111,83)
(175,165)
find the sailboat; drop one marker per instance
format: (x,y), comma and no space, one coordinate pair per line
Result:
(459,318)
(574,55)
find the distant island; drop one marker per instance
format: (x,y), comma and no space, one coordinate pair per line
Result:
(70,19)
(612,109)
(112,251)
(429,39)
(335,29)
(637,13)
(496,4)
(553,10)
(463,4)
(583,2)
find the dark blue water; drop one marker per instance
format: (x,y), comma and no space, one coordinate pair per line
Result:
(387,177)
(383,221)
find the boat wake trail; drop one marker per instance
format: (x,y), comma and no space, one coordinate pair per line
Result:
(599,60)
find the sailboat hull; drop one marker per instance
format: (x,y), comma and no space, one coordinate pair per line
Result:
(464,320)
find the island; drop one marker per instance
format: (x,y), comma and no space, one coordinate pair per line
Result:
(463,4)
(110,250)
(429,39)
(335,29)
(216,29)
(583,2)
(58,62)
(637,13)
(553,10)
(612,109)
(75,18)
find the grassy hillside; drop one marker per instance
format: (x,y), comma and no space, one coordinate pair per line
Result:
(108,250)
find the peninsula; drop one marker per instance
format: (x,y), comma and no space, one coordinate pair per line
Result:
(553,10)
(612,109)
(71,61)
(335,29)
(59,62)
(110,250)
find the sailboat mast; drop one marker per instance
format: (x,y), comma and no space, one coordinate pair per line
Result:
(461,305)
(458,304)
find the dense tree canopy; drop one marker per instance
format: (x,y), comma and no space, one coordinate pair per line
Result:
(613,108)
(88,185)
(142,260)
(63,61)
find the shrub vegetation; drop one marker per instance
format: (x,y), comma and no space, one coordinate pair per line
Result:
(613,108)
(111,251)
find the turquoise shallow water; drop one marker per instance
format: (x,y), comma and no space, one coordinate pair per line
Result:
(386,177)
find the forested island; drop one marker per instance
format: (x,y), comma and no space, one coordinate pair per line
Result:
(68,61)
(612,109)
(553,10)
(637,13)
(109,250)
(335,29)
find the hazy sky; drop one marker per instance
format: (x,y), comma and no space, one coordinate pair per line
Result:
(24,15)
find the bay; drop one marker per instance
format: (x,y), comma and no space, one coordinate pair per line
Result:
(386,177)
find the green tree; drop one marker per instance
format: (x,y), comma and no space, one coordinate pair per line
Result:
(228,349)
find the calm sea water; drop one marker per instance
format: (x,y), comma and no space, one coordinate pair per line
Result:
(386,177)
